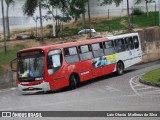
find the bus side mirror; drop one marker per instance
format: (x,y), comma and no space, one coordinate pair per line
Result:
(13,65)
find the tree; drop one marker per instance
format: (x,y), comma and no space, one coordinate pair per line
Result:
(77,7)
(29,9)
(146,1)
(8,3)
(52,5)
(108,2)
(4,28)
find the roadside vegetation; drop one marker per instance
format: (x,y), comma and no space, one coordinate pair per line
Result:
(115,23)
(70,29)
(152,76)
(10,55)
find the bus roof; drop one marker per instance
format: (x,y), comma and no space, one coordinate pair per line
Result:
(77,43)
(121,36)
(65,45)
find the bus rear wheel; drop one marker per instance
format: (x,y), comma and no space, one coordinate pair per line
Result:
(120,68)
(73,82)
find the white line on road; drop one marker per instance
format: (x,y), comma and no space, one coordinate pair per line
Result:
(144,88)
(131,82)
(138,87)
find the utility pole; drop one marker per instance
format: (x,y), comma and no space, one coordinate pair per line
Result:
(159,10)
(54,28)
(129,18)
(4,27)
(41,23)
(89,17)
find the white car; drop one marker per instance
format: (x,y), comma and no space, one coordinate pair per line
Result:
(84,31)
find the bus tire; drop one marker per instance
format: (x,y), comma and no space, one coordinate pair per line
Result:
(120,68)
(73,81)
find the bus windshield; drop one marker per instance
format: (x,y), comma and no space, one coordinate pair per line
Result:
(31,68)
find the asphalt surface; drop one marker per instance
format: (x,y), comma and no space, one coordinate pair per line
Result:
(106,93)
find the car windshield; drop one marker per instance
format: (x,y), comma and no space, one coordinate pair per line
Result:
(31,68)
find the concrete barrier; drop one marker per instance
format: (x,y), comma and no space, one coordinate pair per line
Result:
(150,42)
(8,80)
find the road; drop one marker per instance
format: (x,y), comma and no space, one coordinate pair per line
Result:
(107,93)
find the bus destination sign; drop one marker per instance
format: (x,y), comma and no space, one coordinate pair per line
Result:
(30,53)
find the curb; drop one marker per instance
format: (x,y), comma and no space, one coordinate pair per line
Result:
(149,83)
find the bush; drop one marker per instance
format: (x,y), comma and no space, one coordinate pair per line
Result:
(49,34)
(49,26)
(137,11)
(32,35)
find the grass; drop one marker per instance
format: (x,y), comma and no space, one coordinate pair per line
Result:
(110,25)
(152,76)
(10,55)
(69,31)
(117,23)
(144,20)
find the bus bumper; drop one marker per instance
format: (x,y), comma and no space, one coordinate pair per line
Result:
(43,87)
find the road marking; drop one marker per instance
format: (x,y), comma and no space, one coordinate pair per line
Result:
(139,88)
(144,88)
(131,82)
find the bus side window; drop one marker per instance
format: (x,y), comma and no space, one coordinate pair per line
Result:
(136,42)
(120,45)
(85,52)
(109,48)
(129,43)
(71,55)
(97,49)
(54,61)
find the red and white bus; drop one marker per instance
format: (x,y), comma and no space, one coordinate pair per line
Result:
(56,66)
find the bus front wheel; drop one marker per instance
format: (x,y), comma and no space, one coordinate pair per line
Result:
(73,82)
(120,68)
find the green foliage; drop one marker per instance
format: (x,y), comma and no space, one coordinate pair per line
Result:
(118,23)
(30,6)
(144,21)
(137,11)
(108,2)
(70,31)
(49,34)
(152,76)
(9,2)
(77,7)
(32,35)
(11,54)
(49,26)
(140,1)
(110,25)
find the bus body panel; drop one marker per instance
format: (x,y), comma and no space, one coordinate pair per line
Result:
(42,87)
(59,79)
(86,69)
